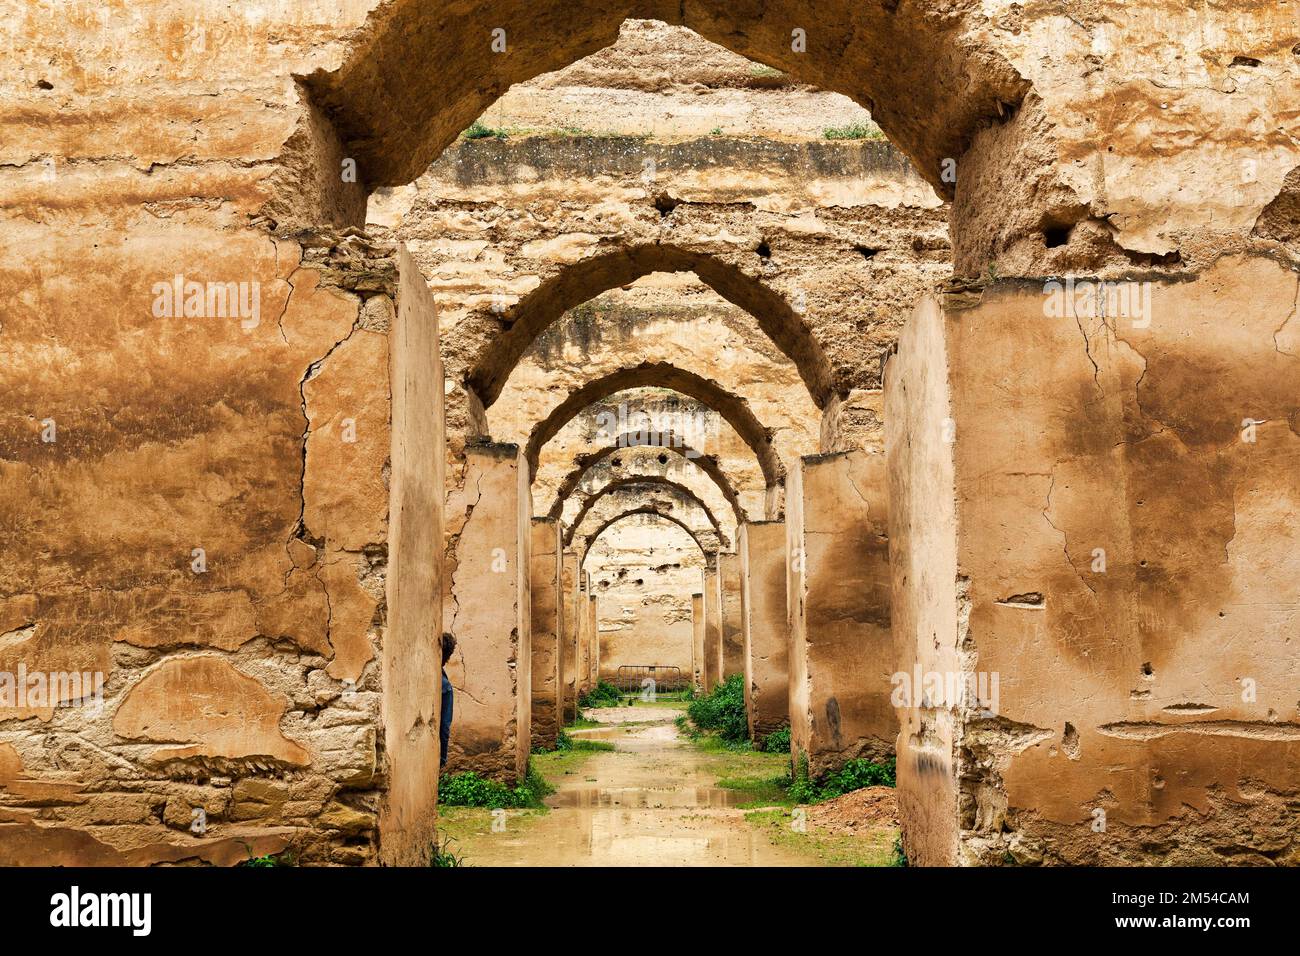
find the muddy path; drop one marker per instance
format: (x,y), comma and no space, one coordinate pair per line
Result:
(652,801)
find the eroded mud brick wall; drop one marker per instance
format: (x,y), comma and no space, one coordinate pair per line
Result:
(766,628)
(1104,543)
(489,523)
(841,647)
(544,636)
(235,683)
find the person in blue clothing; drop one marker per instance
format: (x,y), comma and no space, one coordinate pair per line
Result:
(444,721)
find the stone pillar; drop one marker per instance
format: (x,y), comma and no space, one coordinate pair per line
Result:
(411,658)
(593,638)
(569,631)
(697,641)
(841,652)
(765,626)
(712,622)
(547,601)
(1094,527)
(490,614)
(733,627)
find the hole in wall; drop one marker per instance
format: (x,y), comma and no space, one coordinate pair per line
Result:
(764,250)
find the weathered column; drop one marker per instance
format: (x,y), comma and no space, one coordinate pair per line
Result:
(712,622)
(1096,588)
(583,628)
(490,614)
(733,628)
(841,652)
(593,638)
(546,601)
(765,627)
(697,639)
(569,632)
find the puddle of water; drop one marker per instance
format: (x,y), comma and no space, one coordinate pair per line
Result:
(650,803)
(647,797)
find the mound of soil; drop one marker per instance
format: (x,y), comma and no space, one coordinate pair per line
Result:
(856,813)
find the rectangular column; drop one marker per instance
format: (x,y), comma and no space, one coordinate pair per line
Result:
(490,615)
(712,623)
(697,640)
(593,639)
(569,630)
(1096,577)
(765,628)
(547,601)
(841,651)
(733,629)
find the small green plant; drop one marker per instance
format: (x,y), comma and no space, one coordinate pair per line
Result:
(440,854)
(478,131)
(287,857)
(900,856)
(854,775)
(468,789)
(716,131)
(777,742)
(604,694)
(854,131)
(723,710)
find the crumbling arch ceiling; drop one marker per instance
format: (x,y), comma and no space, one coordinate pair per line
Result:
(588,278)
(645,485)
(668,442)
(640,510)
(734,409)
(925,71)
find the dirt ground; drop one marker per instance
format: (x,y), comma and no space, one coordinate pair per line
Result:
(656,800)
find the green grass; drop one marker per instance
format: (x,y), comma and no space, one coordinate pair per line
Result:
(854,775)
(877,849)
(441,855)
(468,789)
(760,791)
(854,131)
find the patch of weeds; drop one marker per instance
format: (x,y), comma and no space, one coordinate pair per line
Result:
(723,710)
(716,131)
(854,775)
(687,729)
(777,742)
(478,131)
(604,694)
(287,857)
(468,789)
(854,131)
(440,854)
(900,857)
(583,723)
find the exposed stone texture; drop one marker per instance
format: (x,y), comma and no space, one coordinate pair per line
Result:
(766,626)
(489,614)
(1143,672)
(544,636)
(841,651)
